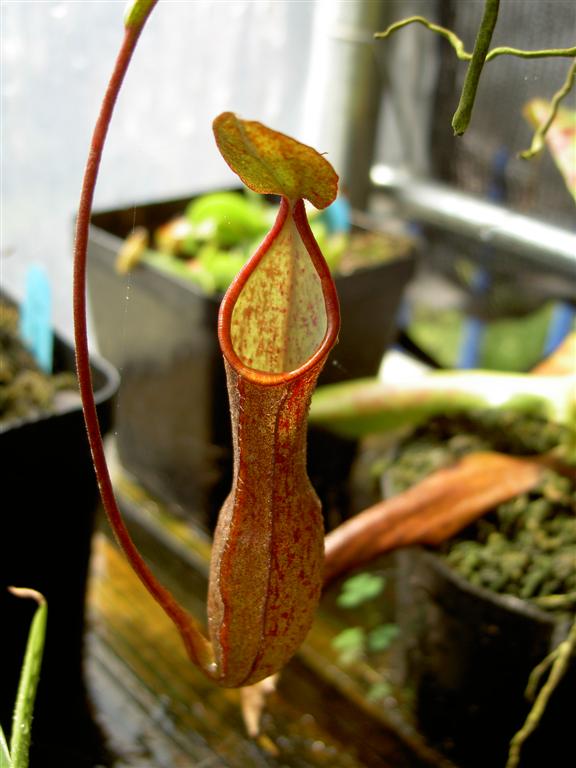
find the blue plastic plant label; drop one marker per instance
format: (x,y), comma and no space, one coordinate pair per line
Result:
(36,317)
(338,215)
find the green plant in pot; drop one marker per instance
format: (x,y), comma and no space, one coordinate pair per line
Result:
(494,599)
(472,704)
(485,609)
(214,237)
(468,649)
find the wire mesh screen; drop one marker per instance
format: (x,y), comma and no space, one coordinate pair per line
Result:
(485,160)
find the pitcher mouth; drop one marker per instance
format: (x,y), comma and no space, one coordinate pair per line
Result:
(273,337)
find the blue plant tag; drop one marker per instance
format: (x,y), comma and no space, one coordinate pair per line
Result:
(337,216)
(36,317)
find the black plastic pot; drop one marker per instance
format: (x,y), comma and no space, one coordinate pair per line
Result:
(172,419)
(50,498)
(467,654)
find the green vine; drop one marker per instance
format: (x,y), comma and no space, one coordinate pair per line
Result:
(551,602)
(480,56)
(460,49)
(448,34)
(540,134)
(557,663)
(542,53)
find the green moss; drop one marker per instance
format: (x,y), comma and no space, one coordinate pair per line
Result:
(25,390)
(524,547)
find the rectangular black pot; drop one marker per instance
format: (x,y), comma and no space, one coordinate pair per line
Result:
(173,430)
(50,498)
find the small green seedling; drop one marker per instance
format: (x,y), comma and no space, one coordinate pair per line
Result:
(16,755)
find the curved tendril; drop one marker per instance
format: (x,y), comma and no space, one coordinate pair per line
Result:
(196,644)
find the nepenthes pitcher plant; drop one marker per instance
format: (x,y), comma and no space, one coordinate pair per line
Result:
(277,324)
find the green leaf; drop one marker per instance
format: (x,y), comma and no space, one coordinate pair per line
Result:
(270,162)
(380,638)
(368,406)
(379,691)
(5,759)
(350,644)
(227,218)
(24,708)
(359,589)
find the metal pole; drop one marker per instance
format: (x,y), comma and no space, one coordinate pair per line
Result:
(541,244)
(344,90)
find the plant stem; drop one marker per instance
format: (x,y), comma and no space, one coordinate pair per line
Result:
(461,118)
(540,134)
(555,601)
(196,644)
(537,673)
(458,45)
(448,34)
(5,759)
(24,707)
(561,657)
(137,12)
(542,53)
(477,59)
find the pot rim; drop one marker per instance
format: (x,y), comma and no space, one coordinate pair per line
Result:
(508,602)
